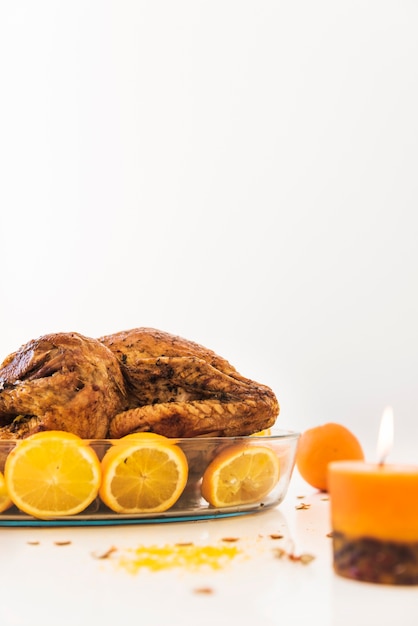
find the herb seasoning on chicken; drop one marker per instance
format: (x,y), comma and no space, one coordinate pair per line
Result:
(132,381)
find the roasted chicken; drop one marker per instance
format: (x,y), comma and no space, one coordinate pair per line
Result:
(138,380)
(62,381)
(179,388)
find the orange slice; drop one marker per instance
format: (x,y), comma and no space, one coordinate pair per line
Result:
(240,474)
(144,435)
(5,501)
(51,474)
(143,475)
(114,451)
(262,433)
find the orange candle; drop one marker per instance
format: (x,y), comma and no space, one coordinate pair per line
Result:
(374,518)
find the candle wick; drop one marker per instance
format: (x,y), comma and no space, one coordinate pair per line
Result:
(385,438)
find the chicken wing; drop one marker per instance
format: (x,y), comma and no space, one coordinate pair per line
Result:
(61,381)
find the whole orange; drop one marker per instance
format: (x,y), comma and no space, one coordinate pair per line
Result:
(320,445)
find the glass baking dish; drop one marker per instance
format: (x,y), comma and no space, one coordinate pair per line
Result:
(191,505)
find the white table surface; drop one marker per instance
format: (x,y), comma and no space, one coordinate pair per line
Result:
(45,583)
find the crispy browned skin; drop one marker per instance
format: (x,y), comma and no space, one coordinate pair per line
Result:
(138,380)
(61,381)
(179,388)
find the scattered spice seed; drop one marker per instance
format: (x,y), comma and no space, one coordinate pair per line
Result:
(306,558)
(331,534)
(230,539)
(302,506)
(184,543)
(301,558)
(204,590)
(325,499)
(62,543)
(300,497)
(276,536)
(33,543)
(279,553)
(105,555)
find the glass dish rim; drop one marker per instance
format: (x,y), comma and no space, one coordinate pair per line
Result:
(274,435)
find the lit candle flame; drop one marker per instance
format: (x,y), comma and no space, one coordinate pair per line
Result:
(385,438)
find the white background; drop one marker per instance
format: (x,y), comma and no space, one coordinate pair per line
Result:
(240,173)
